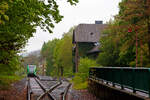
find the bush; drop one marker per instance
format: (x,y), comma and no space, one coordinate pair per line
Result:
(80,79)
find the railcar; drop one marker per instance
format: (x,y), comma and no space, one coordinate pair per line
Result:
(31,70)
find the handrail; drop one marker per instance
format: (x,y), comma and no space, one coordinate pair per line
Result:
(136,78)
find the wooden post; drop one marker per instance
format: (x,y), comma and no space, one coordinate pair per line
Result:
(149,39)
(43,69)
(136,47)
(61,71)
(76,58)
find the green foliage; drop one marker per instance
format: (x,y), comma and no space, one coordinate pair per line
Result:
(58,55)
(12,67)
(84,48)
(47,53)
(118,41)
(63,55)
(5,81)
(3,8)
(79,83)
(109,54)
(18,22)
(80,79)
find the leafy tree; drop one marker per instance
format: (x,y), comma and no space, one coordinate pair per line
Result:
(3,8)
(18,22)
(109,46)
(118,44)
(47,53)
(58,55)
(63,54)
(58,66)
(135,15)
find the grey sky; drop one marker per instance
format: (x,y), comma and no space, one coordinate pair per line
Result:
(86,11)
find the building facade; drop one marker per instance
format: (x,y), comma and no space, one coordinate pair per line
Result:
(86,41)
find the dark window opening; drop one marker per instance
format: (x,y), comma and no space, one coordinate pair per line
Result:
(91,33)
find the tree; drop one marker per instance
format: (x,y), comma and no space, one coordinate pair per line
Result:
(3,9)
(58,55)
(63,54)
(18,22)
(135,15)
(130,27)
(47,53)
(110,46)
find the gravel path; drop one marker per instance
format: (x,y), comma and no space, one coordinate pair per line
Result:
(81,95)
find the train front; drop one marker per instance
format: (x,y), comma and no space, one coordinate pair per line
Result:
(31,70)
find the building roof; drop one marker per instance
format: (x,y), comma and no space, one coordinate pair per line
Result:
(94,49)
(88,32)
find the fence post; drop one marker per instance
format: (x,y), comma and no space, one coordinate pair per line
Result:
(113,83)
(133,82)
(121,76)
(149,83)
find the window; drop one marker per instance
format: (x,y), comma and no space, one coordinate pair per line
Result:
(91,33)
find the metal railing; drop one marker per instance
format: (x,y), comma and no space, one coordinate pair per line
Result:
(137,79)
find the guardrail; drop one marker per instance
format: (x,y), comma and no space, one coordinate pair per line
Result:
(137,79)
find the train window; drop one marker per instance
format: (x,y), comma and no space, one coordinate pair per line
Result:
(32,66)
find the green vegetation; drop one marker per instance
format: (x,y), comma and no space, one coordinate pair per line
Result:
(58,55)
(118,44)
(18,22)
(47,54)
(5,81)
(118,41)
(84,48)
(20,18)
(80,79)
(25,16)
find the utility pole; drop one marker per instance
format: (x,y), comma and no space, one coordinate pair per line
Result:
(136,47)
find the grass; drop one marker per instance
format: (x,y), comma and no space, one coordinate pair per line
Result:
(6,81)
(79,83)
(80,79)
(81,86)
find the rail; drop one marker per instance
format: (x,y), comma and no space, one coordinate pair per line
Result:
(137,79)
(47,91)
(65,92)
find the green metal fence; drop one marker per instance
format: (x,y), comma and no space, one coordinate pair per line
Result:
(137,79)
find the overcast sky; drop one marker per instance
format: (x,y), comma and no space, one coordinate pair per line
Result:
(86,11)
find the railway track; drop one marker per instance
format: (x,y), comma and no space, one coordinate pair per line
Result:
(45,89)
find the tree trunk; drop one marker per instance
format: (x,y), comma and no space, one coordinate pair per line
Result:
(149,39)
(61,68)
